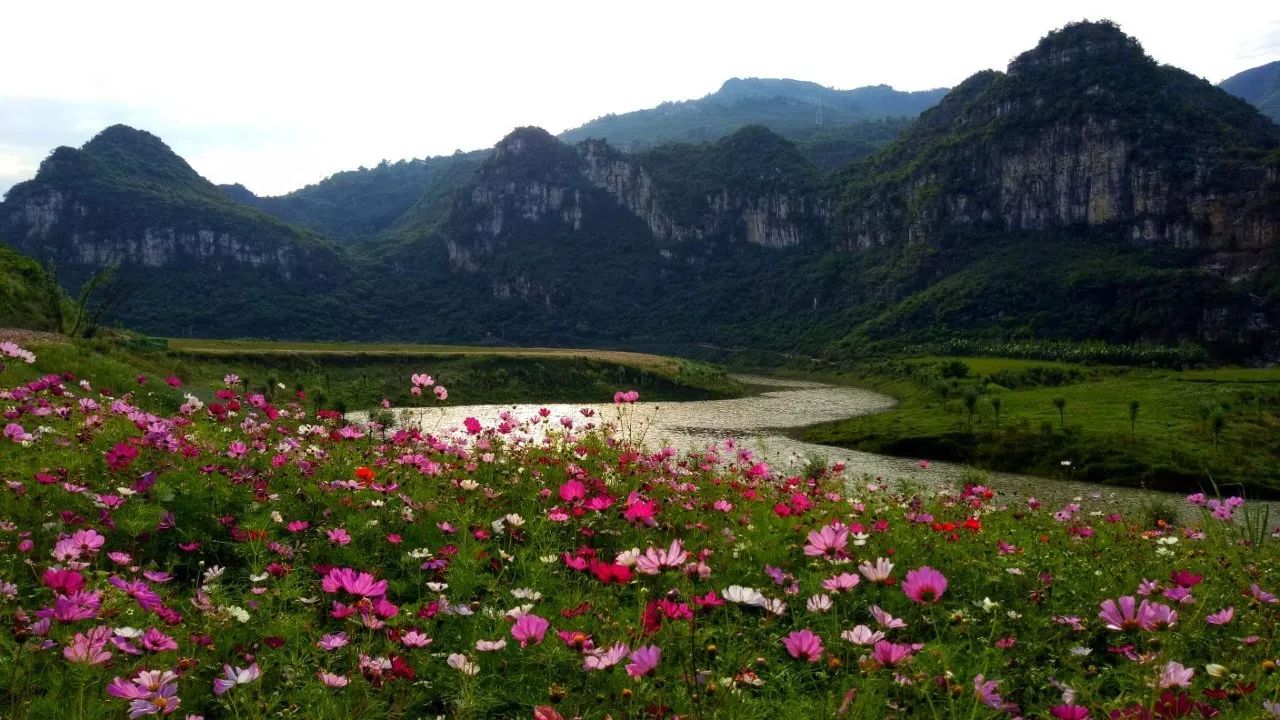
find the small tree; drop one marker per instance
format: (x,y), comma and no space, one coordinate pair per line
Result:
(1061,404)
(1218,423)
(995,408)
(970,404)
(99,296)
(1134,405)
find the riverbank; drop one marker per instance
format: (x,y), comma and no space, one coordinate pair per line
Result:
(1192,430)
(349,376)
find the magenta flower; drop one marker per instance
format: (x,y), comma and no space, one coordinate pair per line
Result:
(804,644)
(830,542)
(1120,614)
(338,536)
(79,543)
(890,653)
(146,598)
(361,583)
(232,677)
(924,584)
(330,642)
(1069,712)
(987,692)
(77,606)
(89,649)
(155,641)
(1222,617)
(529,628)
(644,660)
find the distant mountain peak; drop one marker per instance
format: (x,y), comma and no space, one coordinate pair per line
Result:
(524,139)
(1259,86)
(1083,43)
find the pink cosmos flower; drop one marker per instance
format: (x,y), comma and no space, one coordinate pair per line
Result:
(890,653)
(987,692)
(1175,675)
(1222,617)
(490,645)
(89,649)
(830,542)
(885,620)
(644,660)
(415,639)
(653,560)
(356,583)
(1120,614)
(329,643)
(338,536)
(862,635)
(604,658)
(1069,712)
(924,584)
(804,644)
(529,628)
(155,641)
(878,572)
(841,583)
(146,598)
(1261,595)
(232,677)
(79,543)
(331,680)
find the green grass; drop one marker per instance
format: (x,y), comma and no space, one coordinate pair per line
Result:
(1172,444)
(354,376)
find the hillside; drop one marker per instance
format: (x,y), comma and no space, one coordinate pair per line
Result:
(29,296)
(1259,86)
(804,112)
(358,205)
(126,199)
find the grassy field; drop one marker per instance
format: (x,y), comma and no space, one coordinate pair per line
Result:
(358,376)
(1192,429)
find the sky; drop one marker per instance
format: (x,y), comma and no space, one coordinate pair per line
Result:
(277,94)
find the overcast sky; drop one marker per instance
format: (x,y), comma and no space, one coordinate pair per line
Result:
(277,95)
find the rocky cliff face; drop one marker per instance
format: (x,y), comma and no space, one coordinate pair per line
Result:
(50,224)
(770,219)
(1083,131)
(533,178)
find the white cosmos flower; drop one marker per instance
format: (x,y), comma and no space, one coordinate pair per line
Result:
(777,606)
(127,632)
(526,594)
(462,664)
(627,557)
(743,595)
(862,635)
(818,603)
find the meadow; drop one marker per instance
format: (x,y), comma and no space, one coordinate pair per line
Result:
(1181,430)
(244,557)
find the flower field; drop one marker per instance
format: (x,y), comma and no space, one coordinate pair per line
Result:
(245,558)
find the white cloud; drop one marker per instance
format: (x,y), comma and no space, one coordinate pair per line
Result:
(280,94)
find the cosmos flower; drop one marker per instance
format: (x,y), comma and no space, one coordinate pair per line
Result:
(924,585)
(803,644)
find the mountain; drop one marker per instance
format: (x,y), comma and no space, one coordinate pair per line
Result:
(1087,192)
(356,205)
(1259,86)
(126,199)
(804,112)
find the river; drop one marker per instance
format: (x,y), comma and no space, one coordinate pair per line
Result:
(760,422)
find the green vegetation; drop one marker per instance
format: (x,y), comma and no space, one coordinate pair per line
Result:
(29,296)
(831,125)
(359,376)
(1259,86)
(1161,429)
